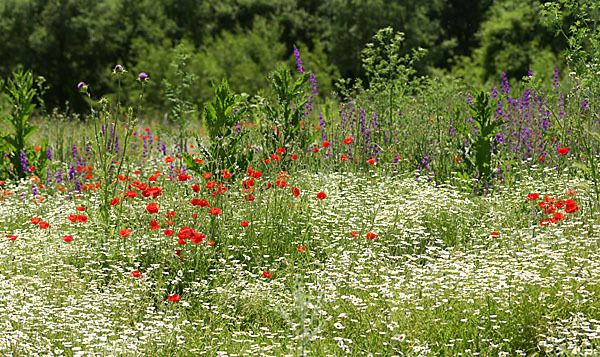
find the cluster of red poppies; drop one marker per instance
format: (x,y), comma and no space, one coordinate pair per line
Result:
(550,206)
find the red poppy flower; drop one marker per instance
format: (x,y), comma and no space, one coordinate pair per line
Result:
(542,158)
(348,140)
(532,196)
(152,208)
(80,209)
(11,236)
(185,233)
(295,191)
(457,159)
(321,195)
(136,274)
(44,225)
(131,194)
(545,222)
(225,174)
(371,236)
(215,211)
(302,248)
(344,158)
(371,161)
(549,209)
(68,239)
(154,225)
(571,207)
(294,157)
(354,234)
(174,298)
(153,191)
(125,233)
(494,234)
(571,192)
(197,238)
(82,219)
(211,184)
(72,217)
(267,275)
(210,243)
(181,241)
(183,177)
(114,201)
(315,150)
(326,144)
(280,150)
(245,224)
(169,159)
(563,151)
(35,220)
(558,216)
(280,183)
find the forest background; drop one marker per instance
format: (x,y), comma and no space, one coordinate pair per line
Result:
(68,41)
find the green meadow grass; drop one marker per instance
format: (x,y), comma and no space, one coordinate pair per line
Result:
(435,280)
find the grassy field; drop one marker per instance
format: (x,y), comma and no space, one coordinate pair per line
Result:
(383,265)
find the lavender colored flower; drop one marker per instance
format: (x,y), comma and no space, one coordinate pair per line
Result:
(49,154)
(88,149)
(118,68)
(299,64)
(72,173)
(24,163)
(81,85)
(142,76)
(314,88)
(505,84)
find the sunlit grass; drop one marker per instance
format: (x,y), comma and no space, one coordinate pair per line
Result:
(434,280)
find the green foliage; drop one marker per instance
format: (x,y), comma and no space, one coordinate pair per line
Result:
(221,117)
(388,71)
(288,112)
(583,58)
(478,152)
(354,23)
(383,63)
(110,157)
(182,108)
(512,41)
(21,94)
